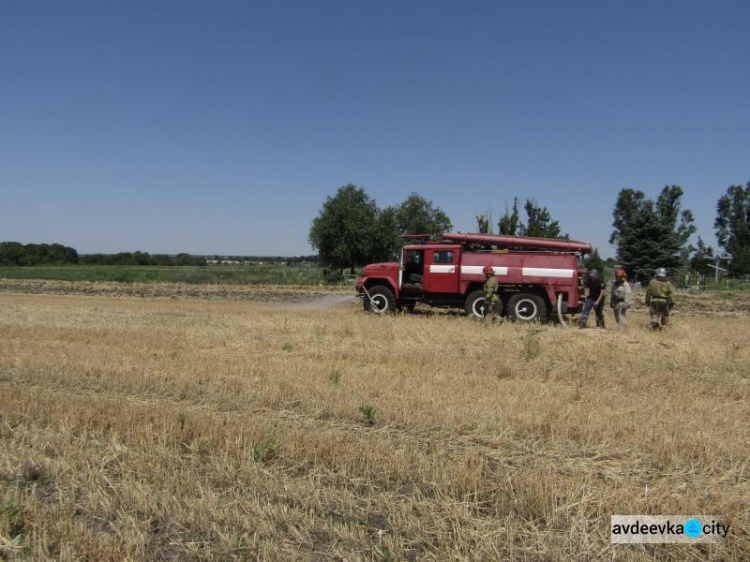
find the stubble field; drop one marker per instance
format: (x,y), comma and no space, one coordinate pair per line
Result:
(144,427)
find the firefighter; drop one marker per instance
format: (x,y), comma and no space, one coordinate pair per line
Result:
(490,295)
(595,300)
(621,298)
(659,299)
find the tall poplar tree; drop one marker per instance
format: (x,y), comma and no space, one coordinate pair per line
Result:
(509,221)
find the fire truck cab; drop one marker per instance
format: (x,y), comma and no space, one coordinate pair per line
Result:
(535,275)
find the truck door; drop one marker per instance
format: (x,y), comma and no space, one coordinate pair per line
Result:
(441,270)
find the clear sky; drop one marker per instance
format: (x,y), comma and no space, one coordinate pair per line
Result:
(220,127)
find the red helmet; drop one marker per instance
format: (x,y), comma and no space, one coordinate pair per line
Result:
(488,270)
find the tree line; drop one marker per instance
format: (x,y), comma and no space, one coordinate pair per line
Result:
(26,255)
(142,258)
(295,260)
(15,253)
(351,230)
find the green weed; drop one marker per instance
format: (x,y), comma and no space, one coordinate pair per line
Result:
(368,414)
(266,450)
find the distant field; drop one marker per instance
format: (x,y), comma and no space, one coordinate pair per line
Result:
(136,428)
(217,274)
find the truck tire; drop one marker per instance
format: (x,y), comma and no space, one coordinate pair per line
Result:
(383,301)
(475,304)
(526,307)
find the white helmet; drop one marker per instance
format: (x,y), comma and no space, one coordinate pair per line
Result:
(661,273)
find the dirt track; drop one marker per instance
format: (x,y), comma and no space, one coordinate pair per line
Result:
(307,295)
(724,303)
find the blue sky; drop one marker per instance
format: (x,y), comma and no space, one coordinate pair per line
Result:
(221,127)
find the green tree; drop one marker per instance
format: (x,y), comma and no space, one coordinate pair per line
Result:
(11,253)
(350,230)
(702,258)
(629,203)
(677,224)
(14,253)
(416,215)
(33,254)
(595,261)
(732,227)
(651,234)
(387,238)
(184,259)
(483,224)
(539,223)
(509,221)
(59,254)
(143,258)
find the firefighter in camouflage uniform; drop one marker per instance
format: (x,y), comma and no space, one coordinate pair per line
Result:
(659,299)
(491,297)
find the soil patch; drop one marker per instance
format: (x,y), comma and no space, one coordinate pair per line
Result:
(712,303)
(314,296)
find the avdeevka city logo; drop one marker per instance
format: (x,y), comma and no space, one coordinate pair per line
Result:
(660,529)
(693,528)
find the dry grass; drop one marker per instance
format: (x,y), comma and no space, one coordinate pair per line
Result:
(146,428)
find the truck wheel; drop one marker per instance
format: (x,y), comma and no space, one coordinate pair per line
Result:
(526,308)
(475,304)
(381,300)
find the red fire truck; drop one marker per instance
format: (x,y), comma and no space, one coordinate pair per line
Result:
(536,275)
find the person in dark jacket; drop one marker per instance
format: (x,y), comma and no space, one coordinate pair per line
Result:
(595,300)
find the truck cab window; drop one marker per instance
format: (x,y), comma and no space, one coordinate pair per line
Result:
(443,256)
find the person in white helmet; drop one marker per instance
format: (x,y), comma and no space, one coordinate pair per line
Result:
(659,299)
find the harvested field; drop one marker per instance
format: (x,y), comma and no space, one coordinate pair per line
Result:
(726,303)
(186,426)
(271,293)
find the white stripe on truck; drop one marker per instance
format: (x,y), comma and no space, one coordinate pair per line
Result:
(477,270)
(442,268)
(544,272)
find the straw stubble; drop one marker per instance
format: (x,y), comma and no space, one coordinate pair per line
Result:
(137,428)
